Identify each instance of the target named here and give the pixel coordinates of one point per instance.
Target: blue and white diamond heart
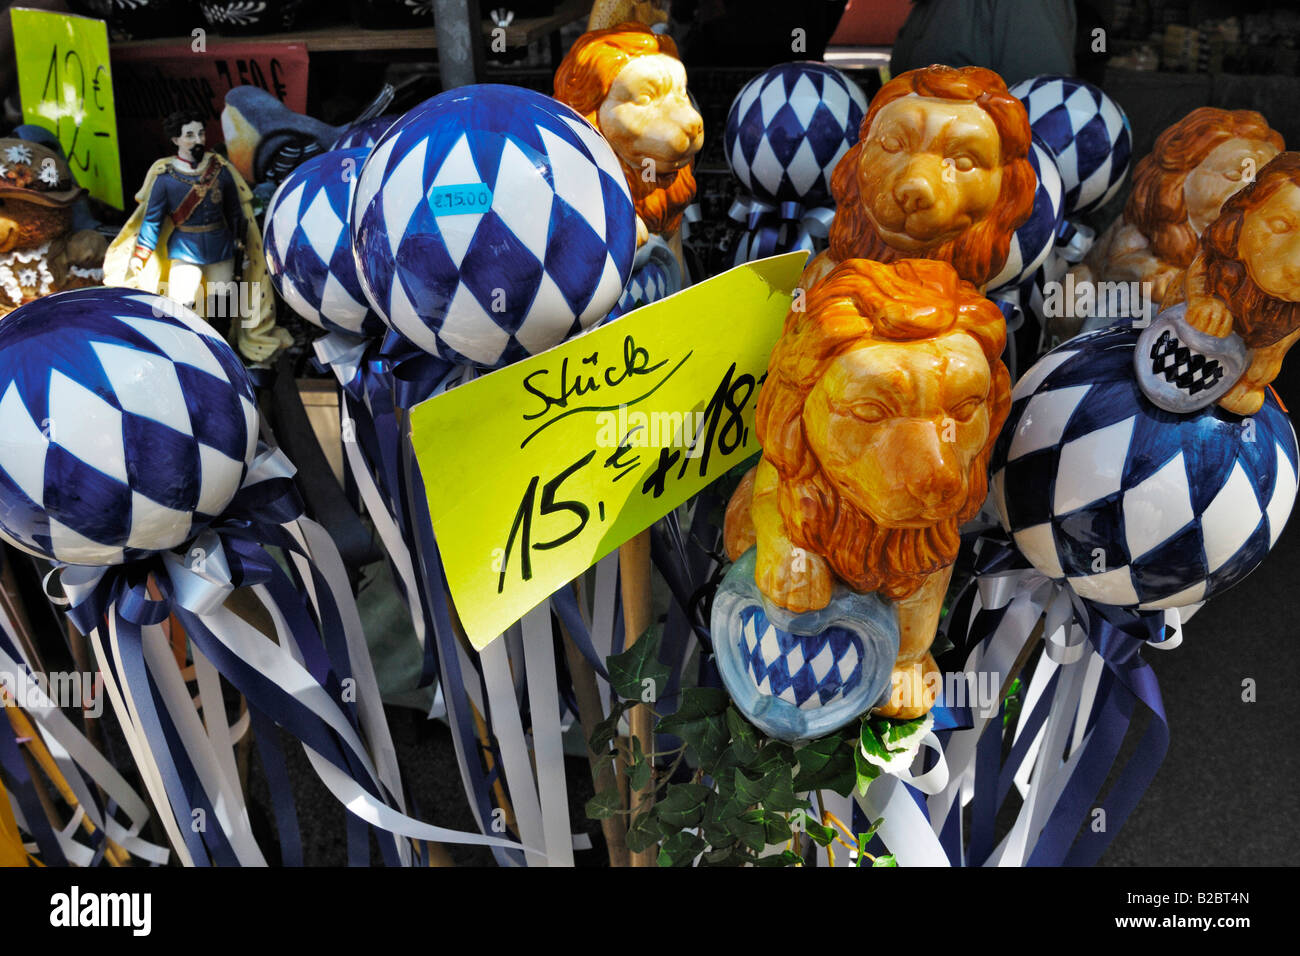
(801, 676)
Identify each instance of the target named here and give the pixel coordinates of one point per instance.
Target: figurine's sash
(196, 194)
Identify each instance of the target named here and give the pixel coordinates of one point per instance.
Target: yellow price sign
(66, 87)
(538, 470)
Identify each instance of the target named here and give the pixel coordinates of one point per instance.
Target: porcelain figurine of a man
(182, 240)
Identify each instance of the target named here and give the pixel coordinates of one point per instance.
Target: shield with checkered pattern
(309, 248)
(1131, 505)
(491, 223)
(1033, 241)
(799, 676)
(1086, 131)
(128, 425)
(788, 127)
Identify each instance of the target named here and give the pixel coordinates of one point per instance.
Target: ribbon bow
(200, 574)
(774, 228)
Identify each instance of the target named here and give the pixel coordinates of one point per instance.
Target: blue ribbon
(776, 228)
(231, 553)
(415, 374)
(1117, 634)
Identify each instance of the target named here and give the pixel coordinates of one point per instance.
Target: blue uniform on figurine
(183, 240)
(199, 195)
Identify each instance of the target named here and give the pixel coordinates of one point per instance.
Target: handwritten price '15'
(726, 435)
(52, 92)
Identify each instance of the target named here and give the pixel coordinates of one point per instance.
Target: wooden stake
(590, 713)
(634, 576)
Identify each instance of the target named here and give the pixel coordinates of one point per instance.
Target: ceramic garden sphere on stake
(128, 426)
(786, 130)
(1088, 133)
(941, 171)
(788, 127)
(1034, 240)
(1131, 505)
(491, 223)
(309, 246)
(877, 418)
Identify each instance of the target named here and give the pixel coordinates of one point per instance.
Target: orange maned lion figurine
(629, 83)
(941, 171)
(881, 405)
(1245, 278)
(1178, 190)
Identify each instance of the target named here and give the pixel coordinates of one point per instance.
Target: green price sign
(67, 87)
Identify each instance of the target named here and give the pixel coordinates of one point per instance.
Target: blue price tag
(464, 200)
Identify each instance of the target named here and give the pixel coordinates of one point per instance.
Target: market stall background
(1222, 795)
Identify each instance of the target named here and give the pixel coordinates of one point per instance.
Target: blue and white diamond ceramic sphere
(1033, 241)
(1088, 133)
(491, 223)
(1134, 506)
(788, 127)
(127, 425)
(364, 135)
(309, 246)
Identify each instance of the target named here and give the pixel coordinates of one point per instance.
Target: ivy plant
(741, 796)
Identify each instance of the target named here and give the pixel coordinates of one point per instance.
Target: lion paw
(914, 687)
(1210, 316)
(799, 581)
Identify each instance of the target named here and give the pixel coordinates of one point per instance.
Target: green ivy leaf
(730, 856)
(700, 723)
(869, 740)
(750, 833)
(776, 829)
(629, 671)
(605, 804)
(885, 861)
(751, 792)
(744, 736)
(775, 754)
(605, 731)
(822, 836)
(638, 774)
(683, 804)
(643, 833)
(893, 732)
(785, 858)
(826, 764)
(864, 770)
(681, 849)
(865, 837)
(780, 794)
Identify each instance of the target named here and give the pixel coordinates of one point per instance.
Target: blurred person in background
(1015, 38)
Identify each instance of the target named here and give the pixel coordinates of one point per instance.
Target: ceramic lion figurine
(609, 13)
(881, 405)
(941, 171)
(629, 83)
(1178, 190)
(1245, 279)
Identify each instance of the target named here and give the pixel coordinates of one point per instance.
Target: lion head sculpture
(879, 412)
(941, 171)
(1252, 254)
(1195, 165)
(629, 83)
